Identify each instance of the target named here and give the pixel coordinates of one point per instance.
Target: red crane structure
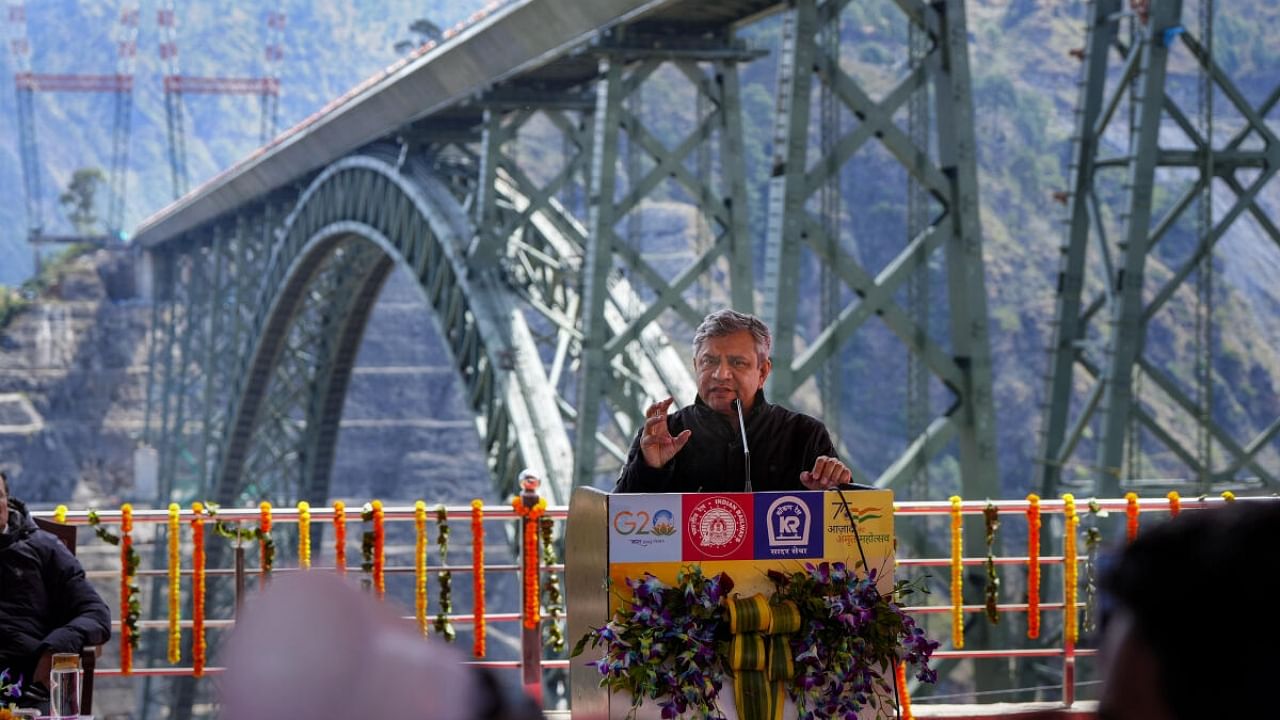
(176, 85)
(27, 83)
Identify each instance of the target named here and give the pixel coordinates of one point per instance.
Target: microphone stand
(746, 453)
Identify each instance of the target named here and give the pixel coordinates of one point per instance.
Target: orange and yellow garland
(127, 571)
(1033, 566)
(304, 535)
(175, 590)
(1175, 503)
(379, 555)
(198, 646)
(957, 575)
(60, 514)
(1069, 569)
(340, 537)
(904, 698)
(264, 550)
(420, 565)
(477, 576)
(1228, 496)
(532, 611)
(1131, 516)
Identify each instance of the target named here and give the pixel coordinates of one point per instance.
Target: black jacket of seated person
(783, 444)
(46, 603)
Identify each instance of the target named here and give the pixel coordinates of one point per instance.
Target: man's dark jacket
(783, 444)
(46, 604)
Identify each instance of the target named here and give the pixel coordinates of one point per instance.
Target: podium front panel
(747, 534)
(613, 537)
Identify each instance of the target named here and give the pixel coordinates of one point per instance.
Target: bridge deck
(527, 44)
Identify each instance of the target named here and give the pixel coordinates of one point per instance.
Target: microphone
(746, 453)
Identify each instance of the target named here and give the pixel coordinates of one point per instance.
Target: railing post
(239, 554)
(531, 558)
(1068, 672)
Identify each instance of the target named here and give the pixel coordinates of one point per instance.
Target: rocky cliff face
(73, 386)
(73, 376)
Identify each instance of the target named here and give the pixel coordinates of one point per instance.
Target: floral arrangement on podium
(10, 691)
(826, 638)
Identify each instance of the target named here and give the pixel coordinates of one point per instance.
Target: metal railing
(532, 662)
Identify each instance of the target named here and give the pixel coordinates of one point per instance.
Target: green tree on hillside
(78, 200)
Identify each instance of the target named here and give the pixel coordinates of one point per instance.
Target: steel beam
(951, 177)
(1124, 307)
(617, 312)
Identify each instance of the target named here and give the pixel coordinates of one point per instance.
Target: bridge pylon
(948, 173)
(631, 298)
(1138, 260)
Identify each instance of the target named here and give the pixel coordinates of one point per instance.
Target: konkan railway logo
(717, 527)
(788, 525)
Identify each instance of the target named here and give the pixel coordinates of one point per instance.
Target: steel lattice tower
(1108, 303)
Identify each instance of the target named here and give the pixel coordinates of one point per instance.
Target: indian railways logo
(717, 527)
(788, 522)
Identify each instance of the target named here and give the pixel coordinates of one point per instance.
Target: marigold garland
(553, 603)
(1228, 496)
(266, 547)
(1131, 515)
(477, 576)
(1069, 569)
(443, 625)
(957, 575)
(531, 611)
(304, 534)
(991, 519)
(198, 646)
(340, 537)
(379, 550)
(1033, 566)
(1175, 503)
(60, 514)
(175, 590)
(130, 607)
(420, 565)
(904, 698)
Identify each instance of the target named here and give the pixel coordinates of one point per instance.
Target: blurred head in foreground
(1190, 630)
(311, 646)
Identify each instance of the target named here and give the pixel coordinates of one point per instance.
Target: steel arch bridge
(264, 277)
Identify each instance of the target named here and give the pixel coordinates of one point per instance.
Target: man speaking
(699, 448)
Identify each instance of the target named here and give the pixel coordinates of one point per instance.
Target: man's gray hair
(727, 322)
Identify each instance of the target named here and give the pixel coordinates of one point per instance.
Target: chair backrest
(65, 533)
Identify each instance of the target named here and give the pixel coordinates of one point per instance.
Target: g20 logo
(640, 522)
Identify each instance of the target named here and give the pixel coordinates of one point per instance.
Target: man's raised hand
(827, 472)
(656, 443)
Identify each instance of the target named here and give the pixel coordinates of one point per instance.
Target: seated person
(46, 603)
(698, 448)
(1186, 629)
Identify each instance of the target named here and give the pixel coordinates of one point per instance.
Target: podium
(609, 538)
